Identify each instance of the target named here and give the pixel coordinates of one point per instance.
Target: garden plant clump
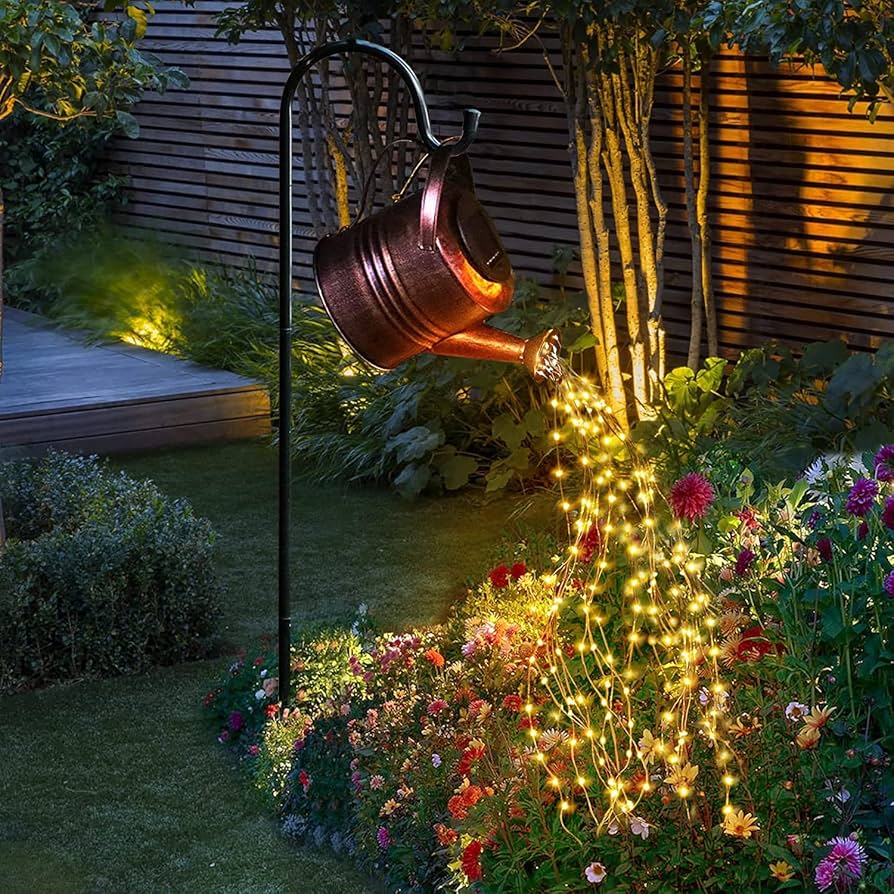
(102, 574)
(689, 691)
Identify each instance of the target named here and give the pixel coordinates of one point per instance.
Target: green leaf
(414, 443)
(456, 470)
(507, 430)
(128, 124)
(412, 480)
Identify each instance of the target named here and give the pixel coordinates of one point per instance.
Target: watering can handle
(440, 164)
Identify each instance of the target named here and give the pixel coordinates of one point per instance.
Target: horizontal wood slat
(802, 190)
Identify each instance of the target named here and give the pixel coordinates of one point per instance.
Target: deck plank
(60, 391)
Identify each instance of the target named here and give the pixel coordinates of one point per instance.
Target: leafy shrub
(102, 574)
(52, 183)
(435, 423)
(778, 409)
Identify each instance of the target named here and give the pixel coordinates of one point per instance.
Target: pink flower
(862, 497)
(595, 873)
(884, 463)
(842, 865)
(691, 497)
(437, 706)
(889, 584)
(383, 838)
(888, 514)
(376, 782)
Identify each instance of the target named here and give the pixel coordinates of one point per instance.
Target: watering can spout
(540, 353)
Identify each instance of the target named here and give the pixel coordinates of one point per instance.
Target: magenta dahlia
(889, 585)
(383, 839)
(888, 513)
(862, 497)
(743, 562)
(884, 463)
(691, 497)
(841, 866)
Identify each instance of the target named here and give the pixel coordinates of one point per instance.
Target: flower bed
(690, 695)
(102, 574)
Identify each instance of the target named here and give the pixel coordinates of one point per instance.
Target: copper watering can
(423, 275)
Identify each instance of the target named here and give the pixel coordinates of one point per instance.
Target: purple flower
(863, 530)
(841, 866)
(743, 562)
(383, 838)
(236, 721)
(889, 584)
(888, 514)
(884, 463)
(862, 497)
(824, 548)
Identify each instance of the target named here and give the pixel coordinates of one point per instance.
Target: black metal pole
(431, 142)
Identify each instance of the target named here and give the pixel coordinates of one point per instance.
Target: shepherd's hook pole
(431, 143)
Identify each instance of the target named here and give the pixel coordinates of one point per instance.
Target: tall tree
(339, 159)
(61, 61)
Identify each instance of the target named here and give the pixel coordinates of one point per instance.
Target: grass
(118, 786)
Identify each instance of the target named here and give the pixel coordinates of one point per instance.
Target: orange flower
(434, 657)
(818, 717)
(446, 835)
(808, 737)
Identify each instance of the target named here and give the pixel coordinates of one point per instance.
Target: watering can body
(423, 275)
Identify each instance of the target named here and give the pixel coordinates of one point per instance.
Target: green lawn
(117, 785)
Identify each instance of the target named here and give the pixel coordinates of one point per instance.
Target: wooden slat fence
(802, 190)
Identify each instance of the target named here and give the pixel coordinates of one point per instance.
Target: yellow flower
(781, 871)
(808, 737)
(739, 824)
(389, 807)
(682, 778)
(818, 717)
(744, 724)
(649, 746)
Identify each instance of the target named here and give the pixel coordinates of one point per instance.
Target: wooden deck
(58, 391)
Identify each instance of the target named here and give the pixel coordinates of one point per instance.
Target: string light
(594, 686)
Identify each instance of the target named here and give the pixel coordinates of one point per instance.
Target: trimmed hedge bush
(102, 574)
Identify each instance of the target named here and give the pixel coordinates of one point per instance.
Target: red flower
(437, 706)
(754, 645)
(468, 757)
(743, 562)
(512, 702)
(691, 497)
(748, 519)
(446, 835)
(499, 576)
(435, 657)
(471, 861)
(589, 544)
(517, 570)
(824, 548)
(210, 698)
(271, 710)
(304, 780)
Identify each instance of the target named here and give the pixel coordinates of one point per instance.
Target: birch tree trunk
(696, 298)
(701, 205)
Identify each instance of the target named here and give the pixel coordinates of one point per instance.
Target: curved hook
(423, 122)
